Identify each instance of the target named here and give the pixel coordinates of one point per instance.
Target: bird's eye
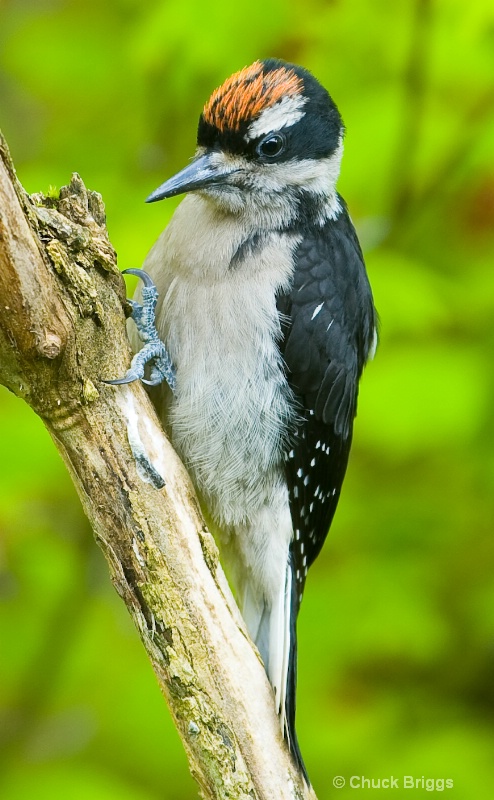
(272, 145)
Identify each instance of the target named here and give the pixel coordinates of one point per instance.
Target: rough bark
(62, 330)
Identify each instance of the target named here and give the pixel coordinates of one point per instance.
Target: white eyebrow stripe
(282, 115)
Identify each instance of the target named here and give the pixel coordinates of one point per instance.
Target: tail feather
(273, 629)
(291, 687)
(278, 655)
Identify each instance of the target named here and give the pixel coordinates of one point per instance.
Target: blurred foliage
(396, 631)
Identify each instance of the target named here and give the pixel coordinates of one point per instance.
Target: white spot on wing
(317, 310)
(373, 347)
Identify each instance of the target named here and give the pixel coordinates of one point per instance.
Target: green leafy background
(396, 630)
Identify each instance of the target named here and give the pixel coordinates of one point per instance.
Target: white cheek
(317, 175)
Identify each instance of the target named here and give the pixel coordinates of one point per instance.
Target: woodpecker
(267, 316)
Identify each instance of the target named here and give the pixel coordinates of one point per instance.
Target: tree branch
(62, 329)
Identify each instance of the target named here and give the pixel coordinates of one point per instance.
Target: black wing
(328, 323)
(328, 327)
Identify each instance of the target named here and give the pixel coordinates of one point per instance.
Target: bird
(266, 312)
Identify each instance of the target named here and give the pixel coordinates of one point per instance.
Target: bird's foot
(154, 351)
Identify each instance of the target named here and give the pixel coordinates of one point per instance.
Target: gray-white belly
(217, 315)
(233, 406)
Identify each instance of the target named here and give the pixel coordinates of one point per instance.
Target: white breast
(221, 326)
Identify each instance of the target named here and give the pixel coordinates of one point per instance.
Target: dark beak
(197, 175)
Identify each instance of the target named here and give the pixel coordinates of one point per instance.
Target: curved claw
(154, 351)
(120, 381)
(129, 377)
(145, 278)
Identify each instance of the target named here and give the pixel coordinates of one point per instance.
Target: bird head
(270, 133)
